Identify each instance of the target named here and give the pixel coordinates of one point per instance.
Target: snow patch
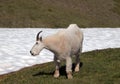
(15, 45)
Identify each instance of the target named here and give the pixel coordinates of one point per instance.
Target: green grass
(97, 67)
(59, 13)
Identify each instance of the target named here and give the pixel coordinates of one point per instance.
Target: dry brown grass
(59, 13)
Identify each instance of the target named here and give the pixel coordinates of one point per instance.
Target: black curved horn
(37, 37)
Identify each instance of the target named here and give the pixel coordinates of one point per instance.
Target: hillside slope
(59, 13)
(97, 67)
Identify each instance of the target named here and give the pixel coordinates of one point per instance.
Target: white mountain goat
(64, 44)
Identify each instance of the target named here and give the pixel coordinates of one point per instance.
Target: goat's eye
(36, 42)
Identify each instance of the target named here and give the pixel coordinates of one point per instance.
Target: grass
(117, 7)
(97, 67)
(59, 13)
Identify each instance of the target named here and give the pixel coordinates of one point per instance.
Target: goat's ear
(41, 38)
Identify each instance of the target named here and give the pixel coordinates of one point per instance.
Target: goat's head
(38, 46)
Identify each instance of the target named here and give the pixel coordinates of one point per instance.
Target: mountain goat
(64, 44)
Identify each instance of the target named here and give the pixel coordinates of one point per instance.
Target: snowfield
(15, 45)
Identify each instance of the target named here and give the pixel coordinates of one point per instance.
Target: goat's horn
(37, 37)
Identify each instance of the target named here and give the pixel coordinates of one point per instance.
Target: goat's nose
(31, 53)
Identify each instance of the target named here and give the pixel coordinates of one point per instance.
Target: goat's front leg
(57, 63)
(69, 67)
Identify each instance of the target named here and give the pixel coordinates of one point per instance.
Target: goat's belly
(75, 50)
(62, 57)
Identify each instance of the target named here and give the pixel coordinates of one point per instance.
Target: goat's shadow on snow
(62, 71)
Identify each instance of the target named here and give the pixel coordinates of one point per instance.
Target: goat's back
(72, 37)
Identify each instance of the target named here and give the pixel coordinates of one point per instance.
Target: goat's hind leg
(77, 68)
(69, 67)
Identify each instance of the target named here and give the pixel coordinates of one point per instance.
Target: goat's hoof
(77, 69)
(69, 75)
(56, 74)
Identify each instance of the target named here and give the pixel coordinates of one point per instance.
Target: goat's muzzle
(32, 53)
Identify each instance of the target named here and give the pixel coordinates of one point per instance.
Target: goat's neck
(50, 43)
(47, 42)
